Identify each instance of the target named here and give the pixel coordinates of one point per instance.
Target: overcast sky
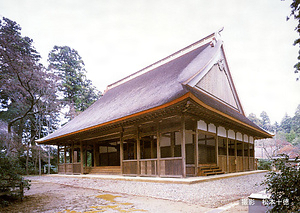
(116, 38)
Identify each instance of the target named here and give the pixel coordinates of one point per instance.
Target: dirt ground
(52, 197)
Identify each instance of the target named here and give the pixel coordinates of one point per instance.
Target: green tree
(252, 117)
(295, 6)
(265, 121)
(286, 123)
(295, 124)
(26, 88)
(77, 91)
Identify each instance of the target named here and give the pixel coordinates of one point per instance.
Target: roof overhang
(196, 108)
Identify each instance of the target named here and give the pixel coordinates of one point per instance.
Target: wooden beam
(183, 146)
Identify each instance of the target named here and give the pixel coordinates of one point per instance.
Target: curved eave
(41, 141)
(260, 133)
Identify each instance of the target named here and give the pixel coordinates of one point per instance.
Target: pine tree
(76, 90)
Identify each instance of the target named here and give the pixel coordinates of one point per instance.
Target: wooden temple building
(178, 117)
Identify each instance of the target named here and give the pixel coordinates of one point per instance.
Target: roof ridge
(177, 54)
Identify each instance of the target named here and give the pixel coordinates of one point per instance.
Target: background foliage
(33, 97)
(284, 184)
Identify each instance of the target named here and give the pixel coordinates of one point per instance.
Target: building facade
(178, 117)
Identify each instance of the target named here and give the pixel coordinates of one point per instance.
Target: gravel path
(209, 194)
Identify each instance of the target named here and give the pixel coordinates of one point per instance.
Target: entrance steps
(105, 170)
(209, 169)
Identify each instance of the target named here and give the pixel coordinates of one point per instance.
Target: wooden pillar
(243, 152)
(158, 148)
(248, 152)
(85, 159)
(135, 150)
(81, 157)
(94, 154)
(58, 150)
(183, 146)
(138, 151)
(217, 147)
(72, 156)
(65, 159)
(235, 153)
(196, 148)
(121, 149)
(152, 148)
(172, 144)
(227, 152)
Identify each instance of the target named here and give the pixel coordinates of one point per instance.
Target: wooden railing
(129, 167)
(241, 165)
(222, 162)
(148, 167)
(171, 167)
(69, 168)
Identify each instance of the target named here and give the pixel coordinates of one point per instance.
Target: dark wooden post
(85, 157)
(138, 151)
(183, 145)
(121, 149)
(235, 152)
(172, 144)
(72, 156)
(65, 158)
(196, 148)
(243, 152)
(152, 148)
(94, 154)
(58, 150)
(81, 157)
(158, 148)
(227, 152)
(248, 152)
(217, 147)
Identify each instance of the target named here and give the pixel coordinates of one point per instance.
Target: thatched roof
(156, 85)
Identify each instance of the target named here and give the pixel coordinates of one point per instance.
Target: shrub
(284, 186)
(264, 164)
(10, 173)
